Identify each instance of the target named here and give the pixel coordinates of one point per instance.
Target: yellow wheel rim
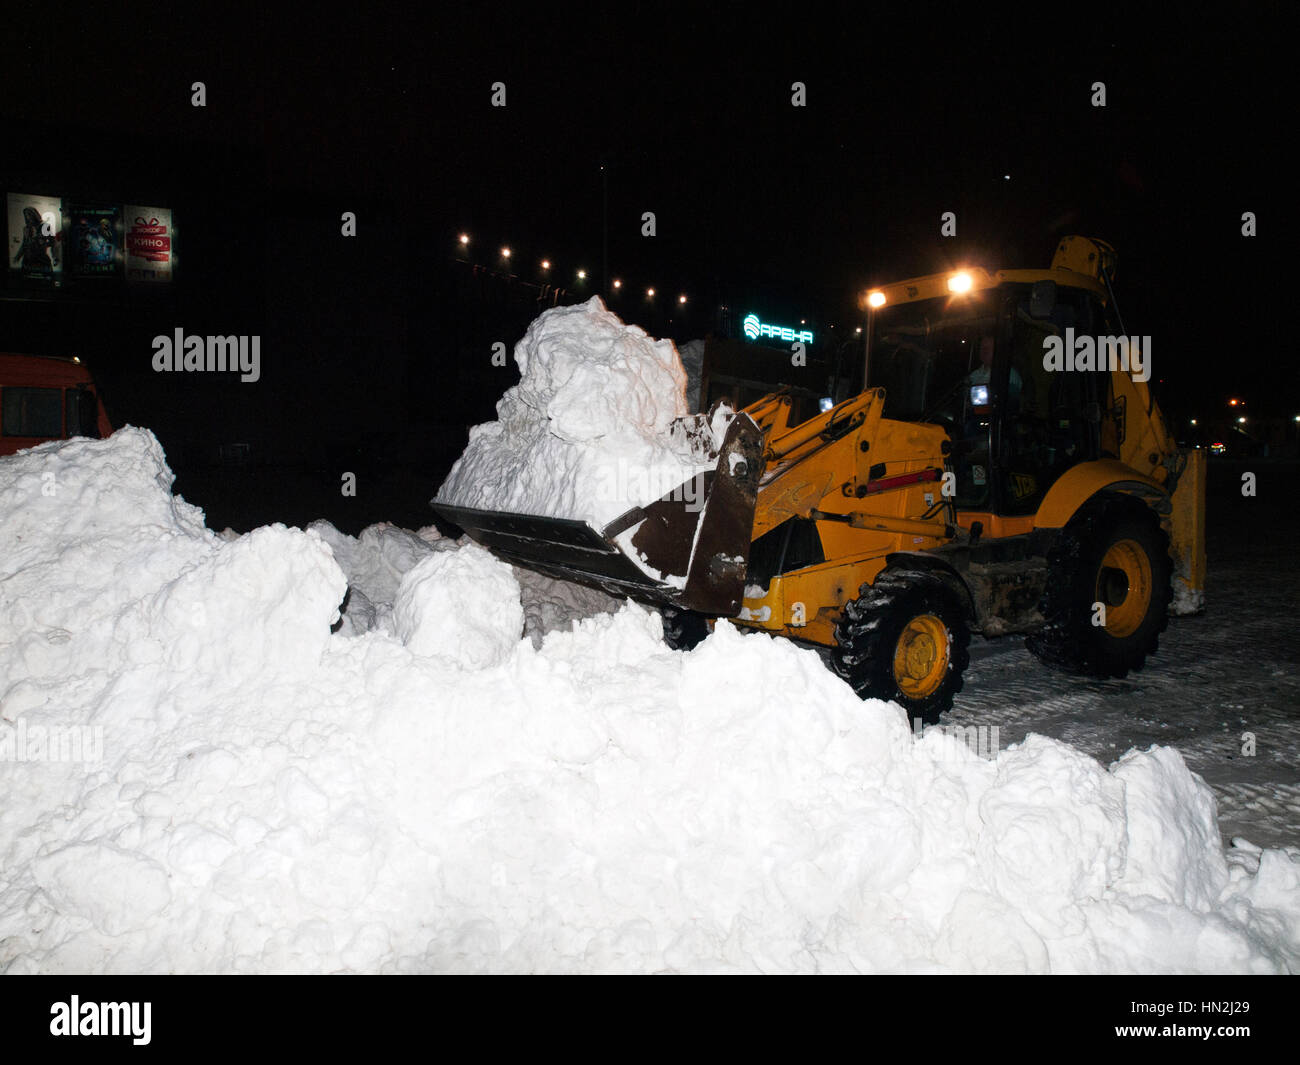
(1124, 585)
(921, 657)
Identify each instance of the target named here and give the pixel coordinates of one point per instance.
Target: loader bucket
(693, 543)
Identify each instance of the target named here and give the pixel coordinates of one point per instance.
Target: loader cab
(974, 364)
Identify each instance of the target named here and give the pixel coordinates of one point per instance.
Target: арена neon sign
(754, 329)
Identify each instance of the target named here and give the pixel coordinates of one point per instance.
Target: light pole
(604, 228)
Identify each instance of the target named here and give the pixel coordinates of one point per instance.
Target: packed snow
(376, 561)
(598, 423)
(428, 790)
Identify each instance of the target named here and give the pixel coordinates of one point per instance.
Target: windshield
(923, 353)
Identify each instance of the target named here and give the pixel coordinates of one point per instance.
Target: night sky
(389, 115)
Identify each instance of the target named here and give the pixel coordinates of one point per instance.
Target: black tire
(870, 639)
(1128, 533)
(683, 629)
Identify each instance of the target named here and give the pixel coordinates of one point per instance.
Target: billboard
(150, 243)
(94, 240)
(35, 237)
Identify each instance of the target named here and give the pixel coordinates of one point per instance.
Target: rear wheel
(905, 639)
(1108, 588)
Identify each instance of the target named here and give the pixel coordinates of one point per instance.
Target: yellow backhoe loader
(1003, 470)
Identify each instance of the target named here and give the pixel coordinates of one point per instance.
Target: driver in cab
(981, 374)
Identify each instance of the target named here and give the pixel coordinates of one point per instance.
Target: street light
(505, 253)
(464, 239)
(681, 298)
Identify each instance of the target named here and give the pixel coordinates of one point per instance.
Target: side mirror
(1042, 299)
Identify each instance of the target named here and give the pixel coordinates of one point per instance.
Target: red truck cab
(46, 397)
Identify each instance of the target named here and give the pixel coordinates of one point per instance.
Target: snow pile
(442, 795)
(594, 426)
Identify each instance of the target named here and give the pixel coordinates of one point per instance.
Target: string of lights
(578, 282)
(548, 274)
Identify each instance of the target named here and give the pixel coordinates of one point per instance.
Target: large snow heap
(588, 430)
(427, 791)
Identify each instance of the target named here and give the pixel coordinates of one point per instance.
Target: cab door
(1046, 420)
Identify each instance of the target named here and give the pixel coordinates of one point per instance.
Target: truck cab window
(34, 412)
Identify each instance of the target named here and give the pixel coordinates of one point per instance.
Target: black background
(340, 1014)
(376, 349)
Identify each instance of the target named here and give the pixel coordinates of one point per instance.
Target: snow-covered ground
(428, 789)
(1220, 679)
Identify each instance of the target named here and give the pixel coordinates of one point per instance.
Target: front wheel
(906, 639)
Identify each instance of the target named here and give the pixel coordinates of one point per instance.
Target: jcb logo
(1023, 485)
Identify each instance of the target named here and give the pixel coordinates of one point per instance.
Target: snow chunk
(586, 433)
(1185, 601)
(463, 605)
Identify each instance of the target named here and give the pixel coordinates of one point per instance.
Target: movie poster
(94, 240)
(36, 237)
(150, 240)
